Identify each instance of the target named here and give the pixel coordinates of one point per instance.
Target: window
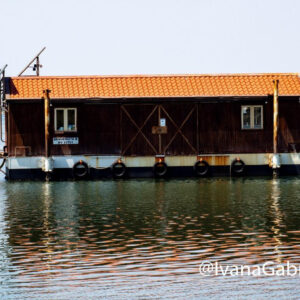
(252, 117)
(65, 119)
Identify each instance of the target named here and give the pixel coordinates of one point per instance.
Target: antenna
(36, 67)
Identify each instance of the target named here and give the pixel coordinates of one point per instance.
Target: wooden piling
(275, 128)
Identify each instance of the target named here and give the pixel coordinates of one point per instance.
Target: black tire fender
(80, 170)
(237, 167)
(118, 170)
(160, 169)
(201, 168)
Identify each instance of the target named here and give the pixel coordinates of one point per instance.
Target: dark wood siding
(127, 129)
(289, 122)
(26, 129)
(181, 120)
(220, 129)
(136, 129)
(98, 130)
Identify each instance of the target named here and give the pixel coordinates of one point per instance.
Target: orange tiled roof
(139, 86)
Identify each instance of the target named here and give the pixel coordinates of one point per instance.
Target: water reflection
(144, 237)
(277, 218)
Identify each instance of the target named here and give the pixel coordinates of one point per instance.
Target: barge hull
(31, 168)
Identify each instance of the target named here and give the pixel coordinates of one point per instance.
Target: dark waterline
(142, 239)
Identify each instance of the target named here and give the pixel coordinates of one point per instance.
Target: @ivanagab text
(269, 268)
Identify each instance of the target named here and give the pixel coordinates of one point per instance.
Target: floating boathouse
(151, 126)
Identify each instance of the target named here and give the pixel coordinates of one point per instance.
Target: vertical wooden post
(121, 129)
(159, 135)
(275, 118)
(47, 163)
(197, 131)
(275, 128)
(47, 120)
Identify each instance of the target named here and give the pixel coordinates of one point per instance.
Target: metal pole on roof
(2, 86)
(2, 100)
(36, 67)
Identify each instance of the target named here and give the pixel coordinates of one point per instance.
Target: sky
(116, 37)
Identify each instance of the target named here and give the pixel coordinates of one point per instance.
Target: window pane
(246, 117)
(257, 117)
(71, 119)
(59, 120)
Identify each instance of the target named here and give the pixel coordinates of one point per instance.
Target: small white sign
(162, 122)
(65, 141)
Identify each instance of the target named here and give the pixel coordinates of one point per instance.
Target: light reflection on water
(146, 238)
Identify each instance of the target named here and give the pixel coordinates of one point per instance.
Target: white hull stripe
(65, 162)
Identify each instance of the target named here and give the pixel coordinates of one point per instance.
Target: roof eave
(151, 97)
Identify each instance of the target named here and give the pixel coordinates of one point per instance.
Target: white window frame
(252, 107)
(65, 110)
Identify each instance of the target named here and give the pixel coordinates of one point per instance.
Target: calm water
(142, 239)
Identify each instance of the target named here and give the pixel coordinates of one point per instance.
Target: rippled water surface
(143, 239)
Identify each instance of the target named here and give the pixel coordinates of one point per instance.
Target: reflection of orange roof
(139, 86)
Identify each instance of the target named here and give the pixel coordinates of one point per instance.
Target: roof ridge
(157, 75)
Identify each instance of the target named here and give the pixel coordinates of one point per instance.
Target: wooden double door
(159, 129)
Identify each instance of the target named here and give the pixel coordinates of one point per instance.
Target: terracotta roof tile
(139, 86)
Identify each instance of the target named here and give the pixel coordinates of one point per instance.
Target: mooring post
(275, 159)
(47, 165)
(159, 135)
